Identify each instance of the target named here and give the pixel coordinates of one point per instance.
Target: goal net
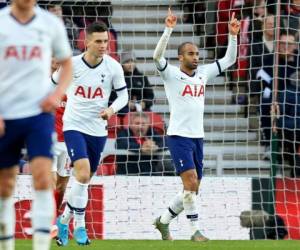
(251, 160)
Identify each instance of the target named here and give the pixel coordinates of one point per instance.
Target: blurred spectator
(71, 27)
(292, 12)
(101, 12)
(289, 99)
(3, 3)
(194, 13)
(140, 91)
(141, 139)
(262, 63)
(286, 67)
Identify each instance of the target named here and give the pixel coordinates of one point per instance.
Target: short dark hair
(96, 27)
(181, 47)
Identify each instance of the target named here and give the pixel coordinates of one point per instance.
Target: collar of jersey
(18, 21)
(90, 66)
(188, 74)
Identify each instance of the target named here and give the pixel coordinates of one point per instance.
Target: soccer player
(29, 37)
(185, 90)
(61, 162)
(95, 74)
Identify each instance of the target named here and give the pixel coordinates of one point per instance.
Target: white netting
(238, 142)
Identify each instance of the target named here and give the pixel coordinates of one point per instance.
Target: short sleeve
(60, 45)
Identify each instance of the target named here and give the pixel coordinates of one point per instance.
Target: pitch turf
(174, 245)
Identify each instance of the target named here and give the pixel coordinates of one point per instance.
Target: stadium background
(242, 172)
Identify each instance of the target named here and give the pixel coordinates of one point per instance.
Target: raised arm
(231, 53)
(216, 68)
(161, 46)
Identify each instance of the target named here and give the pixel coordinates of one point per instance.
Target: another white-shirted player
(185, 90)
(29, 36)
(94, 76)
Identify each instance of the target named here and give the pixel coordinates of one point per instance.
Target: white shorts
(61, 160)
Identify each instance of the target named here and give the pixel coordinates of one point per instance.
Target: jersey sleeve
(210, 70)
(55, 77)
(118, 78)
(214, 69)
(60, 45)
(163, 68)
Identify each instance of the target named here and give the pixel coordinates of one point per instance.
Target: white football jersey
(186, 96)
(89, 93)
(25, 57)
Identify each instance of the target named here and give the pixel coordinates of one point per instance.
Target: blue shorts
(82, 146)
(33, 132)
(186, 153)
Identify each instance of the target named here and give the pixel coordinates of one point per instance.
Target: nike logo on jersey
(182, 78)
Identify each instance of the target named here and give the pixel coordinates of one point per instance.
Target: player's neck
(22, 16)
(91, 59)
(189, 72)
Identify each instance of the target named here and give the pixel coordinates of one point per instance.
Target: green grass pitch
(173, 245)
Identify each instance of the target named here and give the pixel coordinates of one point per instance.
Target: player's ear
(87, 40)
(180, 58)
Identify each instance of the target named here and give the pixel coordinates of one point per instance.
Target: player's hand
(171, 19)
(107, 113)
(51, 102)
(2, 127)
(234, 25)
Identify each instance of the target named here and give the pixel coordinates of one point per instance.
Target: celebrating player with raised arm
(185, 90)
(29, 37)
(94, 76)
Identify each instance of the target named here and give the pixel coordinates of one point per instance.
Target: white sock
(7, 224)
(42, 217)
(174, 209)
(78, 201)
(190, 208)
(67, 214)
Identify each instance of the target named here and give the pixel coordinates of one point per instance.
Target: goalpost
(244, 169)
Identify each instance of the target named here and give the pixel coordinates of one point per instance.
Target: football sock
(190, 208)
(7, 224)
(78, 202)
(174, 209)
(42, 216)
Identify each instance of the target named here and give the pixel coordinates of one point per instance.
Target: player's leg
(181, 154)
(78, 196)
(39, 144)
(62, 174)
(191, 182)
(7, 209)
(61, 186)
(95, 146)
(10, 153)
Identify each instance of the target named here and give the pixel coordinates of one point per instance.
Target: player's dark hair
(96, 27)
(181, 47)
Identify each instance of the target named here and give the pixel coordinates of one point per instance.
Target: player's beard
(192, 66)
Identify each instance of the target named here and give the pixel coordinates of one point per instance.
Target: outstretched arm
(161, 46)
(231, 53)
(216, 68)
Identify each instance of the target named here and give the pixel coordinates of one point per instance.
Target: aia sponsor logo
(89, 92)
(23, 53)
(193, 90)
